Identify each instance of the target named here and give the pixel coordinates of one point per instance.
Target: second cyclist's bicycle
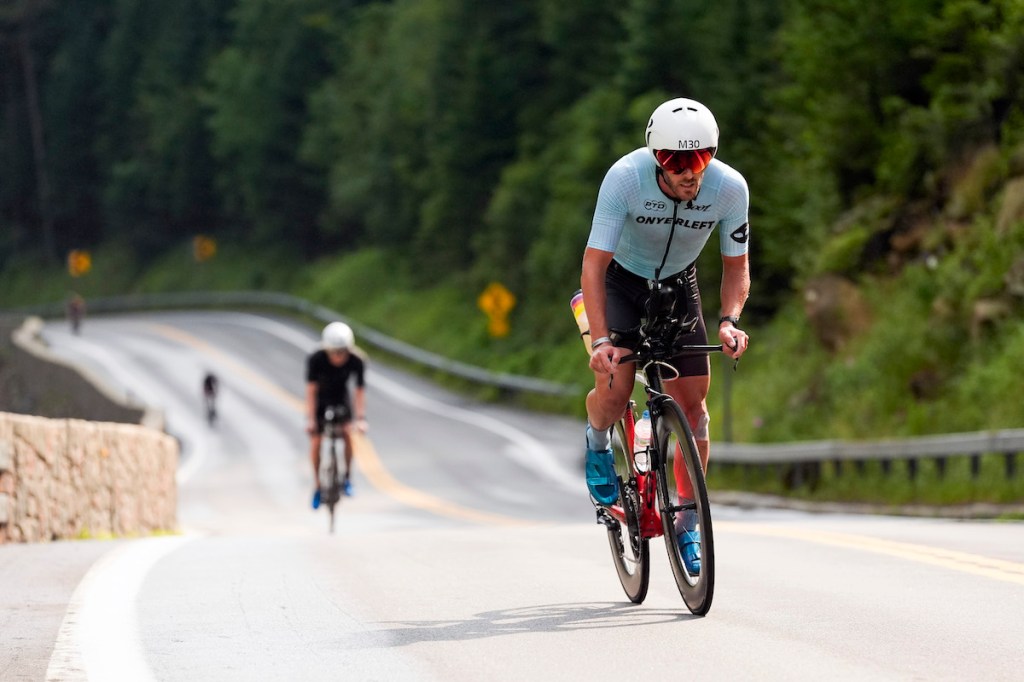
(332, 483)
(649, 504)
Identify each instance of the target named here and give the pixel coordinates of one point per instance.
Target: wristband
(599, 342)
(729, 318)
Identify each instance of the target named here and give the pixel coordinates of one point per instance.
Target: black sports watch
(729, 318)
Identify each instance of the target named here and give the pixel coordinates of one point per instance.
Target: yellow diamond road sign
(496, 301)
(79, 262)
(203, 248)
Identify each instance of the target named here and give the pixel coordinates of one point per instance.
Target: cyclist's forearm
(595, 300)
(735, 285)
(360, 403)
(595, 267)
(311, 391)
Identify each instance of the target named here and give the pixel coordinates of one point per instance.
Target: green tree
(973, 87)
(421, 117)
(19, 21)
(367, 121)
(487, 53)
(154, 145)
(73, 109)
(258, 97)
(823, 141)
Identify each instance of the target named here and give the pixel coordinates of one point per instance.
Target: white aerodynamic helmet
(338, 336)
(682, 125)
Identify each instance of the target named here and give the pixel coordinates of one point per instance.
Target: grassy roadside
(878, 483)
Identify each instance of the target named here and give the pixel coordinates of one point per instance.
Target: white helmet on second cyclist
(682, 124)
(338, 336)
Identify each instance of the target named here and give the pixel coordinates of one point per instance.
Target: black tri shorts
(342, 415)
(627, 295)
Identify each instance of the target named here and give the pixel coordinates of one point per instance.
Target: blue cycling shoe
(601, 479)
(689, 545)
(346, 487)
(316, 499)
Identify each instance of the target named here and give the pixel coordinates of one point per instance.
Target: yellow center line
(997, 569)
(373, 468)
(364, 454)
(225, 359)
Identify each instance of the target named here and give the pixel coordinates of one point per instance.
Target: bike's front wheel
(675, 439)
(332, 493)
(630, 550)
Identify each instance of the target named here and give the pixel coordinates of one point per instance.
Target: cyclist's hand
(734, 340)
(606, 357)
(311, 428)
(362, 425)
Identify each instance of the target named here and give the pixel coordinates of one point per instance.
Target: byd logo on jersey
(657, 205)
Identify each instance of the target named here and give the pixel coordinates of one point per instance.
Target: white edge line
(98, 638)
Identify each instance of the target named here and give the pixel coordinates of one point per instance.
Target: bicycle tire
(697, 590)
(630, 550)
(334, 487)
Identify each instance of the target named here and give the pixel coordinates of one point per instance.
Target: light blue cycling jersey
(633, 216)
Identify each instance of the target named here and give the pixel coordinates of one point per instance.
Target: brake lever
(627, 358)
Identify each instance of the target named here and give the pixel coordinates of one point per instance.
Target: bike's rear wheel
(675, 438)
(630, 551)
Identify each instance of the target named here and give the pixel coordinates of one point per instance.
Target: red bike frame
(646, 484)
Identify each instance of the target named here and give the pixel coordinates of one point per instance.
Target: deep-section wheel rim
(630, 551)
(697, 590)
(333, 488)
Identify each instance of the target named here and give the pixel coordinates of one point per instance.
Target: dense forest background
(404, 150)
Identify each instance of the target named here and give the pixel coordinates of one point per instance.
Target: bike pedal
(607, 521)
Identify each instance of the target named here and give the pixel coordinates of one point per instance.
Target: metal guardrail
(1006, 441)
(504, 381)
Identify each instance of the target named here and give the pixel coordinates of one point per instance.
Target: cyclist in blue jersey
(656, 210)
(328, 373)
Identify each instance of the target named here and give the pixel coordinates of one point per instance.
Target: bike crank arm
(689, 506)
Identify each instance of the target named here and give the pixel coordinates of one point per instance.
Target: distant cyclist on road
(328, 373)
(76, 312)
(656, 209)
(210, 386)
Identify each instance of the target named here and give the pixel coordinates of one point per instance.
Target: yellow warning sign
(203, 248)
(497, 302)
(79, 262)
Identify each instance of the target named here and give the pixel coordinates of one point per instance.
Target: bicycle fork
(660, 460)
(657, 403)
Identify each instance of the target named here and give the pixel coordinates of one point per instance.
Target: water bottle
(580, 313)
(642, 439)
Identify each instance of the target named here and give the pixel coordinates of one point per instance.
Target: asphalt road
(468, 552)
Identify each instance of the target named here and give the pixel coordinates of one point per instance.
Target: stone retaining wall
(72, 471)
(69, 478)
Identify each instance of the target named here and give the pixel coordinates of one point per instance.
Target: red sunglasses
(677, 160)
